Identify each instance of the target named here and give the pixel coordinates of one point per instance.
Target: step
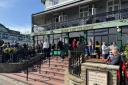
(48, 81)
(23, 79)
(55, 65)
(55, 61)
(55, 73)
(54, 68)
(59, 78)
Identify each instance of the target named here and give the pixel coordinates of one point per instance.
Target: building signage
(97, 77)
(76, 29)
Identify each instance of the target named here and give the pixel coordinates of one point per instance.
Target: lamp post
(118, 29)
(119, 37)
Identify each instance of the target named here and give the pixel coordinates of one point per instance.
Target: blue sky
(16, 14)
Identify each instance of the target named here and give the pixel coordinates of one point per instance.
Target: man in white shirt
(105, 50)
(45, 44)
(46, 49)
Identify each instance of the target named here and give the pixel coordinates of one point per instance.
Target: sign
(97, 77)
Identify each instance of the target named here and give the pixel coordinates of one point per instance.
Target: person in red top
(74, 44)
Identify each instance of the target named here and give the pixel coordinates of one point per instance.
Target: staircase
(53, 75)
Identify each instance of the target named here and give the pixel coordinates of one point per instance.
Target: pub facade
(98, 20)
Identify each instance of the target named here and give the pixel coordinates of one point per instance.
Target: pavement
(7, 81)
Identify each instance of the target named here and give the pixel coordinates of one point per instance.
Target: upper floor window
(61, 18)
(113, 5)
(83, 11)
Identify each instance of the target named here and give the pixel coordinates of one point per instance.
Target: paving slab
(7, 81)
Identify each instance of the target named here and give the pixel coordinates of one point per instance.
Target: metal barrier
(43, 58)
(75, 60)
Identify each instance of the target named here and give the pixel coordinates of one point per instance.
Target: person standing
(97, 48)
(61, 48)
(74, 44)
(45, 48)
(90, 46)
(104, 51)
(113, 45)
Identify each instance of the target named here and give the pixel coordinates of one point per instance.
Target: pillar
(85, 37)
(67, 36)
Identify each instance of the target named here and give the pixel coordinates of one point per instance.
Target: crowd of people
(16, 52)
(110, 52)
(23, 51)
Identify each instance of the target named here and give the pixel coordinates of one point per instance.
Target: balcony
(103, 17)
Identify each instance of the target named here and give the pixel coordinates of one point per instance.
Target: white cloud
(22, 29)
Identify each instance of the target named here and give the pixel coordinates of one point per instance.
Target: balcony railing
(102, 17)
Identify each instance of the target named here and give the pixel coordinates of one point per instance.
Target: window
(112, 38)
(56, 19)
(61, 18)
(83, 11)
(113, 5)
(101, 32)
(112, 31)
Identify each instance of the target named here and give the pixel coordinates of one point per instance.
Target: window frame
(83, 12)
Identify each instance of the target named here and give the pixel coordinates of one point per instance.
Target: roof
(3, 28)
(7, 30)
(1, 25)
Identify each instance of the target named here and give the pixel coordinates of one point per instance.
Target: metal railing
(75, 61)
(42, 59)
(101, 17)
